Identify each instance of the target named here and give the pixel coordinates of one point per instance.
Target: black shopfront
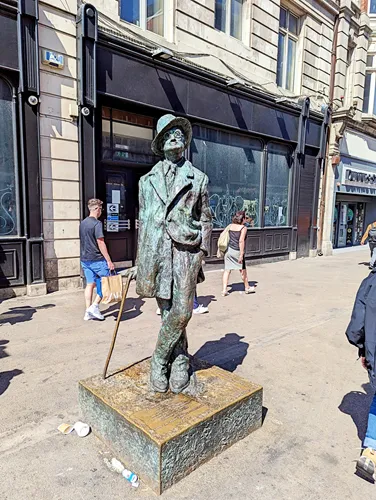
(260, 155)
(21, 235)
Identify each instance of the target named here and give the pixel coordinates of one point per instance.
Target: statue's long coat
(179, 216)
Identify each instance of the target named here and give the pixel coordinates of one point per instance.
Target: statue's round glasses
(178, 134)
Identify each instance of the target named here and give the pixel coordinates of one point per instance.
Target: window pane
(155, 17)
(236, 18)
(367, 87)
(220, 15)
(280, 62)
(369, 61)
(132, 143)
(374, 99)
(291, 51)
(293, 24)
(277, 185)
(233, 165)
(283, 18)
(8, 195)
(131, 138)
(130, 11)
(372, 7)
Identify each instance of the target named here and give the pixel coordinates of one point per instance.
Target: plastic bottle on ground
(131, 477)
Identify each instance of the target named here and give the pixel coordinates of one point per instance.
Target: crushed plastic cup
(82, 429)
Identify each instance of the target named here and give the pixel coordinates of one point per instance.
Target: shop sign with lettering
(359, 178)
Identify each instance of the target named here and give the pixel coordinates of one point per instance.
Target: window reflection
(233, 164)
(277, 185)
(8, 196)
(127, 137)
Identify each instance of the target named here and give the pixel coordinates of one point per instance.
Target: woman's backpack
(223, 242)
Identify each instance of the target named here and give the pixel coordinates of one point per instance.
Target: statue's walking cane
(126, 287)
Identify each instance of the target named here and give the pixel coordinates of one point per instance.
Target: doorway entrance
(348, 224)
(121, 212)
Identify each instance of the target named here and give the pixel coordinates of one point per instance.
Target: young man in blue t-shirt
(95, 260)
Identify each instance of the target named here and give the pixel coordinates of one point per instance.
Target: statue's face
(174, 141)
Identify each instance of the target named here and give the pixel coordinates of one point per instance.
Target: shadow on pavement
(132, 309)
(6, 378)
(363, 263)
(228, 352)
(357, 404)
(3, 346)
(205, 300)
(239, 287)
(21, 314)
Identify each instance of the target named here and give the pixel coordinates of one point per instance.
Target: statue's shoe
(179, 376)
(158, 376)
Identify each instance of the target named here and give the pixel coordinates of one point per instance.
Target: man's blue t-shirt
(90, 230)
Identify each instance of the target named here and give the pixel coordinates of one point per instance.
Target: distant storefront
(260, 155)
(355, 204)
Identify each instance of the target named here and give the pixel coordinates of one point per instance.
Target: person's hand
(362, 242)
(111, 265)
(130, 273)
(364, 362)
(240, 260)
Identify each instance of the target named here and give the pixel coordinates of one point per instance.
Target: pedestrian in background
(235, 254)
(370, 234)
(361, 332)
(197, 307)
(95, 260)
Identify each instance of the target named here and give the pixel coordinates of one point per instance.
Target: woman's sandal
(250, 289)
(224, 294)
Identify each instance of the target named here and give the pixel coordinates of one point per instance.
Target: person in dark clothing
(361, 332)
(370, 234)
(95, 260)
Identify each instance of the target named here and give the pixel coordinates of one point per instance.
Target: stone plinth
(164, 437)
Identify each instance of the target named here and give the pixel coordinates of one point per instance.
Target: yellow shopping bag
(112, 288)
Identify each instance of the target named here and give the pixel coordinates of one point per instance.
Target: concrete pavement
(289, 337)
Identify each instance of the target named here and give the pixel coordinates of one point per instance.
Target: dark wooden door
(306, 204)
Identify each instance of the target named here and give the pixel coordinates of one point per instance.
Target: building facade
(21, 230)
(350, 203)
(255, 79)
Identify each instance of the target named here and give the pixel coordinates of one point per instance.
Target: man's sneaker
(201, 310)
(158, 311)
(250, 289)
(95, 312)
(88, 316)
(366, 465)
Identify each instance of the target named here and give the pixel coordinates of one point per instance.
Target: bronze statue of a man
(174, 236)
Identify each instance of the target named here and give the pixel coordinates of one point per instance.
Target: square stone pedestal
(164, 437)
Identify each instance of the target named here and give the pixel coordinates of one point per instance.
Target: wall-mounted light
(162, 53)
(33, 100)
(85, 111)
(235, 82)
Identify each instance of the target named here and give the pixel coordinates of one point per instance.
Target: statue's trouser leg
(176, 313)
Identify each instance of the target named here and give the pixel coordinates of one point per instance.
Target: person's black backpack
(372, 234)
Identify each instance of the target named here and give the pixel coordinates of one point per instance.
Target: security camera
(33, 100)
(85, 111)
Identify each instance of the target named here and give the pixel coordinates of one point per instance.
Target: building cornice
(8, 7)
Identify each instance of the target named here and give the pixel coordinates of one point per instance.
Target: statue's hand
(130, 273)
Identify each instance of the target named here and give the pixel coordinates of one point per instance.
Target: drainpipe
(325, 160)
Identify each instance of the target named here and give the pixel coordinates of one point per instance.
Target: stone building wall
(59, 145)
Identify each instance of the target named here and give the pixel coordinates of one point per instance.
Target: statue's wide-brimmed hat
(165, 123)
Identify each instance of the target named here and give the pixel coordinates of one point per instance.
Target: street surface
(288, 337)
